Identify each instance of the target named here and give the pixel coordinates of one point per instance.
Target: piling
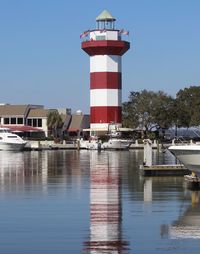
(147, 152)
(78, 144)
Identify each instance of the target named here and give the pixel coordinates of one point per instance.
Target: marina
(106, 174)
(51, 145)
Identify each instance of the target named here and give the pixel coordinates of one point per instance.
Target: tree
(163, 110)
(54, 123)
(188, 106)
(146, 110)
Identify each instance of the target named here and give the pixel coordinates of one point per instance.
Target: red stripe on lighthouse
(105, 114)
(105, 47)
(103, 80)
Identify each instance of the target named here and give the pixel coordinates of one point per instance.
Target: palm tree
(54, 123)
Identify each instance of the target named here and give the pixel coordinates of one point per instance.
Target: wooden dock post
(147, 152)
(78, 144)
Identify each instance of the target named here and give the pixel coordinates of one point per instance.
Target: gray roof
(13, 110)
(79, 122)
(38, 113)
(76, 122)
(66, 122)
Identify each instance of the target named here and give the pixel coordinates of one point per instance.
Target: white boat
(189, 155)
(116, 144)
(10, 141)
(115, 141)
(92, 144)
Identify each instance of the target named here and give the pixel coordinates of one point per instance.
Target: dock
(163, 170)
(136, 145)
(147, 169)
(49, 145)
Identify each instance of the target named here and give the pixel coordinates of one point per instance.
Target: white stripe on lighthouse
(105, 97)
(105, 63)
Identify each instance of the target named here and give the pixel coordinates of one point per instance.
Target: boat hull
(111, 144)
(90, 145)
(116, 144)
(11, 146)
(188, 155)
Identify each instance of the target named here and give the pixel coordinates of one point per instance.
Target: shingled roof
(13, 110)
(38, 113)
(78, 122)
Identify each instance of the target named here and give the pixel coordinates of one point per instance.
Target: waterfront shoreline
(72, 145)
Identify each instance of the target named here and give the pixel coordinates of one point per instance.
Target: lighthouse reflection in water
(105, 205)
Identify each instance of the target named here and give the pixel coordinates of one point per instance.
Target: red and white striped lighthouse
(105, 48)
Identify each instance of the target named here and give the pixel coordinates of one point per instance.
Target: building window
(34, 122)
(29, 122)
(39, 122)
(6, 120)
(20, 120)
(13, 120)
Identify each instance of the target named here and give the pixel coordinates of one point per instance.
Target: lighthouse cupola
(105, 21)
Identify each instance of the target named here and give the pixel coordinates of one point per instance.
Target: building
(31, 120)
(15, 114)
(105, 47)
(37, 117)
(77, 124)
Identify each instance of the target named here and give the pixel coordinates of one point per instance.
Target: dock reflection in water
(105, 205)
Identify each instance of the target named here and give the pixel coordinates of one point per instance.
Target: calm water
(90, 202)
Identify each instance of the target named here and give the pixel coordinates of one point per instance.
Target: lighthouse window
(100, 37)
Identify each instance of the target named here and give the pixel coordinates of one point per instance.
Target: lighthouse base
(105, 127)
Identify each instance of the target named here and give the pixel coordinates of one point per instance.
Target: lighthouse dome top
(105, 16)
(105, 21)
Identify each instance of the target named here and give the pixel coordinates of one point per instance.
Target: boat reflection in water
(105, 205)
(17, 168)
(188, 224)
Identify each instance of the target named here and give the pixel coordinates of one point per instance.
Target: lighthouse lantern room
(105, 47)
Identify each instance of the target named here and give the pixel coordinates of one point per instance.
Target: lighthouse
(105, 47)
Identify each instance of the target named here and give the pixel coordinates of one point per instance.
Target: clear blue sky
(41, 61)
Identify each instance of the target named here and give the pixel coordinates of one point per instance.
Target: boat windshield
(5, 131)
